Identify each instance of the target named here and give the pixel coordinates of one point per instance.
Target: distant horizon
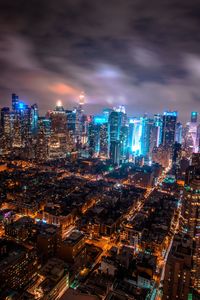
(89, 111)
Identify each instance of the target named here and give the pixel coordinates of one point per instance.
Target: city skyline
(96, 112)
(99, 150)
(144, 56)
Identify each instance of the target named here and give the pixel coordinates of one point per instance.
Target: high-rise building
(161, 155)
(123, 143)
(194, 116)
(191, 215)
(135, 136)
(6, 121)
(94, 139)
(176, 153)
(18, 265)
(158, 122)
(15, 102)
(169, 128)
(58, 119)
(98, 136)
(147, 125)
(58, 139)
(6, 130)
(80, 120)
(21, 126)
(71, 121)
(196, 160)
(191, 134)
(118, 132)
(115, 152)
(178, 133)
(34, 119)
(178, 269)
(198, 138)
(43, 137)
(115, 126)
(104, 140)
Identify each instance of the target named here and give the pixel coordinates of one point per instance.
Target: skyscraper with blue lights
(169, 128)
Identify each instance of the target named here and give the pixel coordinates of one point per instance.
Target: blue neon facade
(135, 139)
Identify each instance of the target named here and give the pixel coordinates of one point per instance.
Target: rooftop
(74, 238)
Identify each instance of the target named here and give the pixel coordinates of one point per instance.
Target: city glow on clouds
(145, 53)
(108, 72)
(63, 89)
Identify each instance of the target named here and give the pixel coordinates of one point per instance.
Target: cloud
(192, 63)
(63, 89)
(141, 54)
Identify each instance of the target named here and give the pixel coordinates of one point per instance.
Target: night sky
(140, 53)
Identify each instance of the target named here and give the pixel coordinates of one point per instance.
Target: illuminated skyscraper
(118, 132)
(15, 102)
(178, 133)
(34, 119)
(176, 283)
(98, 136)
(198, 138)
(93, 139)
(43, 136)
(6, 121)
(135, 135)
(194, 116)
(191, 139)
(115, 126)
(115, 152)
(6, 130)
(123, 143)
(176, 152)
(58, 119)
(104, 140)
(169, 128)
(58, 139)
(147, 125)
(191, 214)
(21, 125)
(155, 133)
(158, 123)
(79, 119)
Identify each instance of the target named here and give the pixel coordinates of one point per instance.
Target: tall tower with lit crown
(79, 118)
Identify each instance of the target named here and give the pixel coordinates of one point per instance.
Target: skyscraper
(115, 125)
(94, 139)
(158, 123)
(58, 119)
(43, 136)
(135, 135)
(6, 130)
(58, 139)
(191, 215)
(34, 119)
(178, 133)
(79, 119)
(115, 152)
(147, 125)
(104, 140)
(21, 125)
(194, 116)
(15, 102)
(98, 136)
(177, 272)
(123, 143)
(118, 132)
(191, 135)
(169, 128)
